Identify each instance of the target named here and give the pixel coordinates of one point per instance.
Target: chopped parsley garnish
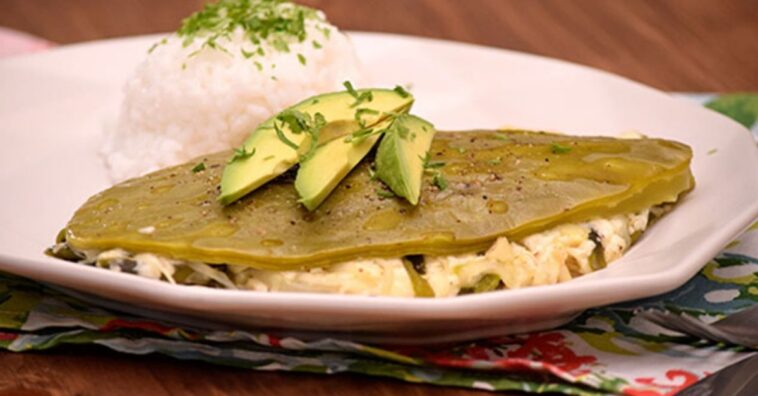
(241, 154)
(371, 173)
(283, 138)
(429, 164)
(364, 131)
(302, 59)
(495, 161)
(277, 23)
(258, 65)
(360, 112)
(460, 149)
(280, 45)
(315, 132)
(557, 148)
(382, 193)
(199, 167)
(501, 136)
(209, 43)
(362, 123)
(350, 89)
(401, 91)
(299, 122)
(359, 134)
(435, 165)
(246, 54)
(316, 44)
(439, 180)
(712, 151)
(366, 96)
(154, 46)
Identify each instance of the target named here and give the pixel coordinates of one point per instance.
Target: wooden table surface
(681, 45)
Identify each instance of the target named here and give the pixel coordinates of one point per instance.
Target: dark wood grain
(89, 370)
(694, 45)
(684, 45)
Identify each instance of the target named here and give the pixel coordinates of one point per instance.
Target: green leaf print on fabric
(741, 107)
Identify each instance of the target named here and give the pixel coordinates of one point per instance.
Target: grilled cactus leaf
(499, 183)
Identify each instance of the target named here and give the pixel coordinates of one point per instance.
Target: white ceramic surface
(52, 108)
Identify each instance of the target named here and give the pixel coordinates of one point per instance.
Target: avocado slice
(401, 156)
(319, 175)
(265, 155)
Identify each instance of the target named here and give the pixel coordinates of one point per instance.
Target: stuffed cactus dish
(349, 193)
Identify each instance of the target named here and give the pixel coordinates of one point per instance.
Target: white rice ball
(183, 102)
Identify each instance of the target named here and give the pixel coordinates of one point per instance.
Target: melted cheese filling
(556, 255)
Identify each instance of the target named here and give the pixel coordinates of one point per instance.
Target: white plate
(51, 112)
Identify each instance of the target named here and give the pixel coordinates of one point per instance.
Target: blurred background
(681, 45)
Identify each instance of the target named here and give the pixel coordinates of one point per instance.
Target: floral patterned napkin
(605, 350)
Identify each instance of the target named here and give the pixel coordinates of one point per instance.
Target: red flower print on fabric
(551, 348)
(683, 379)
